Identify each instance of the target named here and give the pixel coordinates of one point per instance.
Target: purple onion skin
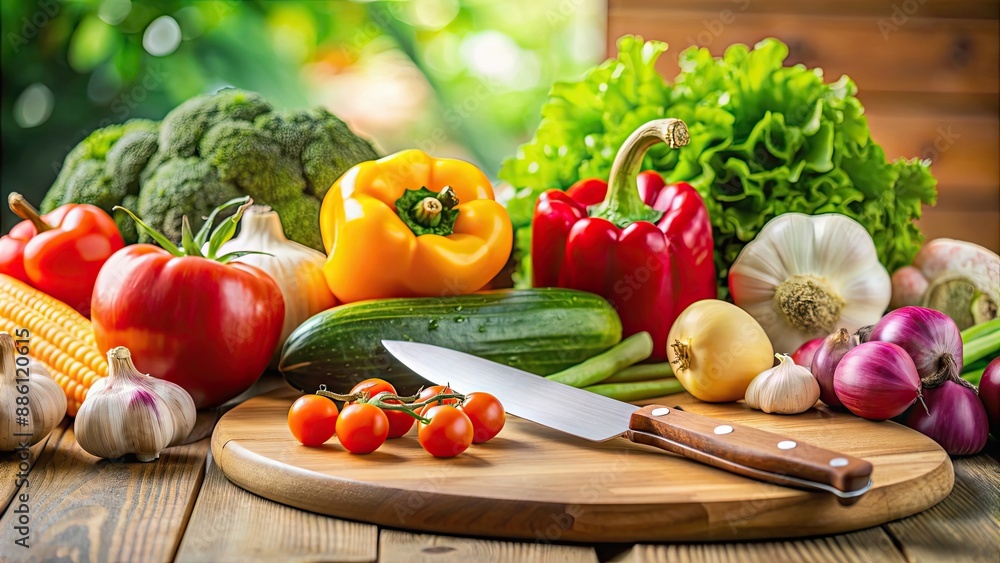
(957, 419)
(930, 337)
(989, 394)
(804, 355)
(876, 380)
(824, 364)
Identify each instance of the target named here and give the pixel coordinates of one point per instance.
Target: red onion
(930, 337)
(989, 394)
(954, 418)
(804, 355)
(825, 362)
(876, 380)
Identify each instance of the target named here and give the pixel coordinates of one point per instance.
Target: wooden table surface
(81, 508)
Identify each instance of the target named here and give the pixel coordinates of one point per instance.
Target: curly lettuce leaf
(766, 139)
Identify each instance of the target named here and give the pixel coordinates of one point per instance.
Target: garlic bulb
(131, 413)
(31, 402)
(805, 276)
(297, 269)
(783, 389)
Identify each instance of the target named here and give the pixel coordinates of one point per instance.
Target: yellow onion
(717, 349)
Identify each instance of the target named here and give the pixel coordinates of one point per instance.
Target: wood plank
(962, 150)
(402, 547)
(980, 227)
(12, 472)
(921, 55)
(979, 9)
(87, 509)
(866, 546)
(965, 525)
(230, 524)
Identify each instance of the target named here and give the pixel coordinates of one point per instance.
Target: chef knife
(743, 450)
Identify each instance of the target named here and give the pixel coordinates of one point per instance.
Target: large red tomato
(207, 326)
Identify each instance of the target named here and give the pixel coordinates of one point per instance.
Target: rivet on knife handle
(750, 452)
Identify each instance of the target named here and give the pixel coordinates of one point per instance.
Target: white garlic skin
(132, 413)
(784, 389)
(831, 248)
(46, 400)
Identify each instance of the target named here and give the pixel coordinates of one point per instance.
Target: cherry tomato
(312, 419)
(399, 422)
(362, 428)
(487, 416)
(429, 392)
(448, 433)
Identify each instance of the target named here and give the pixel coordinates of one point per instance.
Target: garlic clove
(129, 412)
(784, 389)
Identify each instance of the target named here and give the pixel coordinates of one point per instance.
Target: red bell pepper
(59, 253)
(197, 320)
(647, 251)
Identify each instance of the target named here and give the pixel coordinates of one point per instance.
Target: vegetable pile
(792, 211)
(207, 151)
(765, 140)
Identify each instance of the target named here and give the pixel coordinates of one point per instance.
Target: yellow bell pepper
(409, 225)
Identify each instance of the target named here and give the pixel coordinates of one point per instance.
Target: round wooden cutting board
(536, 483)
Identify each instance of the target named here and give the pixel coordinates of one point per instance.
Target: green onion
(637, 391)
(633, 349)
(641, 372)
(981, 343)
(976, 331)
(973, 376)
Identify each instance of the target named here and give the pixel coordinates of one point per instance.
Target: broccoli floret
(129, 156)
(104, 167)
(126, 226)
(183, 128)
(181, 186)
(209, 150)
(247, 157)
(298, 216)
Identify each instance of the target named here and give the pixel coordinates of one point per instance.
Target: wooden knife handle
(745, 450)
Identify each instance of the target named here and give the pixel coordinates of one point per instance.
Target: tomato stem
(345, 398)
(403, 404)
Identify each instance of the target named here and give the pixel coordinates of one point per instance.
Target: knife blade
(737, 448)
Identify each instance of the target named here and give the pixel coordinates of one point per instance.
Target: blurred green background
(459, 78)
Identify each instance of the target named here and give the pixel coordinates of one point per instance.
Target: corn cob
(61, 338)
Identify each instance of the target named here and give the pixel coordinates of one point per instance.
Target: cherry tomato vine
(447, 422)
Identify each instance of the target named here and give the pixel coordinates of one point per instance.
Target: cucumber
(541, 331)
